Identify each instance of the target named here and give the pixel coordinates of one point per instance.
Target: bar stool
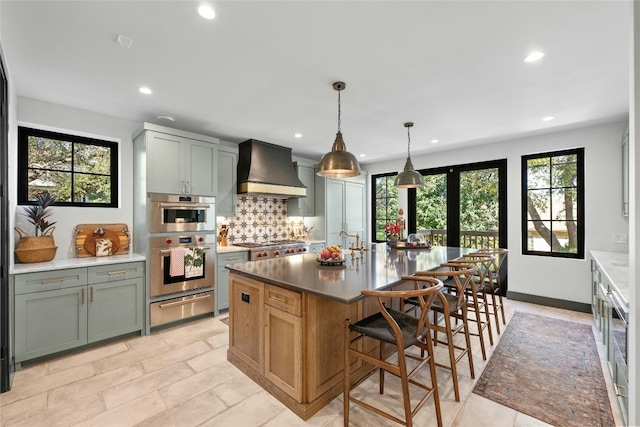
(486, 284)
(475, 303)
(394, 327)
(453, 307)
(495, 286)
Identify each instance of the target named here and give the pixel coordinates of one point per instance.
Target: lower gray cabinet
(79, 306)
(115, 309)
(222, 281)
(47, 322)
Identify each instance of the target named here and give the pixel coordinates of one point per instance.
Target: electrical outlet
(245, 297)
(620, 238)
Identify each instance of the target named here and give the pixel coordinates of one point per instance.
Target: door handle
(82, 297)
(189, 301)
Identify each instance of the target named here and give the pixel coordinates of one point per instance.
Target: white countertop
(615, 266)
(59, 264)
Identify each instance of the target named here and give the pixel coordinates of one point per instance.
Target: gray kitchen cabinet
(342, 206)
(304, 206)
(64, 309)
(177, 162)
(316, 247)
(227, 181)
(222, 279)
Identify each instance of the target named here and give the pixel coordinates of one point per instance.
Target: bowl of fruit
(331, 255)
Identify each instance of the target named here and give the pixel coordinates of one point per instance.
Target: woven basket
(35, 248)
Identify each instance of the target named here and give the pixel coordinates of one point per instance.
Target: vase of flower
(41, 246)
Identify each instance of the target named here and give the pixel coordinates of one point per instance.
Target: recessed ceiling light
(165, 117)
(548, 118)
(298, 135)
(363, 155)
(145, 90)
(534, 56)
(124, 41)
(206, 12)
(434, 141)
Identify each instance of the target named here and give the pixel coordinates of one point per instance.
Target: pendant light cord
(408, 141)
(339, 130)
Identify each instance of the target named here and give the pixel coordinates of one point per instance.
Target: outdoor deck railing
(468, 238)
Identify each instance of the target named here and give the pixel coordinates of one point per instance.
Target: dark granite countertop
(378, 268)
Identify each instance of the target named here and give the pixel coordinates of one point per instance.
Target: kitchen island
(287, 317)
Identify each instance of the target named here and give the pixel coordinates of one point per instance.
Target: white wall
(565, 279)
(48, 115)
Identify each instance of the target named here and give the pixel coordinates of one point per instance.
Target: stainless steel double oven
(182, 233)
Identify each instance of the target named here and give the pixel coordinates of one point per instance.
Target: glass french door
(463, 205)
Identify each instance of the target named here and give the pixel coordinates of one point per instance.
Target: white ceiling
(264, 69)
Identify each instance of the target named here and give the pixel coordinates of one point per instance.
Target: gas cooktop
(272, 243)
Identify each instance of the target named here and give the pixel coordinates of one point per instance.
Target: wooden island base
(290, 343)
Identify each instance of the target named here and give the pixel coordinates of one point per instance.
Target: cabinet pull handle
(117, 272)
(234, 258)
(279, 299)
(189, 301)
(82, 297)
(617, 387)
(56, 280)
(188, 187)
(92, 294)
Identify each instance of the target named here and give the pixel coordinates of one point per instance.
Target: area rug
(225, 320)
(548, 369)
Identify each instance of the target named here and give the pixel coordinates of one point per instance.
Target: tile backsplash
(259, 219)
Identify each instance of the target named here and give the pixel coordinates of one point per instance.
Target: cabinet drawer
(49, 280)
(284, 299)
(181, 308)
(232, 258)
(113, 272)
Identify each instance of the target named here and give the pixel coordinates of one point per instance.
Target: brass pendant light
(338, 163)
(409, 178)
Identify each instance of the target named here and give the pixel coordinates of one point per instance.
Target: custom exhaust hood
(265, 168)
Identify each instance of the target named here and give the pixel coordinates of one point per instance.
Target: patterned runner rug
(548, 369)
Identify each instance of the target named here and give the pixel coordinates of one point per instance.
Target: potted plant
(40, 247)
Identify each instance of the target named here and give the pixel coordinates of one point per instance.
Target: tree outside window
(553, 204)
(386, 204)
(78, 171)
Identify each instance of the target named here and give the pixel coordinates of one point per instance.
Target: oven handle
(168, 251)
(184, 205)
(189, 301)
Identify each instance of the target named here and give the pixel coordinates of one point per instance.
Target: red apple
(325, 254)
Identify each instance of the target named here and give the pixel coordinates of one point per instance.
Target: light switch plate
(620, 238)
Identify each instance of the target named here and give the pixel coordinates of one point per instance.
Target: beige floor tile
(145, 384)
(256, 410)
(129, 414)
(493, 414)
(87, 356)
(174, 355)
(236, 390)
(22, 409)
(198, 383)
(132, 356)
(206, 360)
(94, 384)
(193, 412)
(22, 389)
(219, 340)
(77, 410)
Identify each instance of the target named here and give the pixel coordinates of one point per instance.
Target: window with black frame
(385, 199)
(76, 170)
(553, 204)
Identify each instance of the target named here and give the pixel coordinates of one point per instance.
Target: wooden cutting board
(86, 235)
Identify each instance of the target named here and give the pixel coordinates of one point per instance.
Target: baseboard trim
(550, 302)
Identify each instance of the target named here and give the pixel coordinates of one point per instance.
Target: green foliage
(39, 214)
(431, 202)
(50, 164)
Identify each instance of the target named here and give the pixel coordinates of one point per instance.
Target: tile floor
(180, 377)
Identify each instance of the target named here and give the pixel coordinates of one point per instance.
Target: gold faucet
(357, 246)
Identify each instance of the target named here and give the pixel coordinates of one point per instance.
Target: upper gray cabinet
(177, 162)
(625, 174)
(304, 206)
(227, 181)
